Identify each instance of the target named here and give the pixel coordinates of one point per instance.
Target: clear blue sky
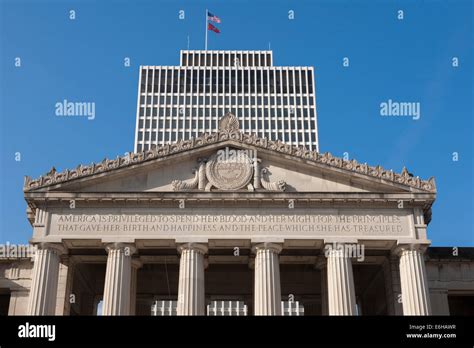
(403, 60)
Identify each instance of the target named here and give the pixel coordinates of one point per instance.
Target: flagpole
(205, 48)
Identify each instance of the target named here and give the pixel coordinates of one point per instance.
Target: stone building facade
(232, 224)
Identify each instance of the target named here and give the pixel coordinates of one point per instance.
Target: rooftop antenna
(188, 42)
(269, 46)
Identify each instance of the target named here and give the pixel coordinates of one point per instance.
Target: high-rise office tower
(179, 102)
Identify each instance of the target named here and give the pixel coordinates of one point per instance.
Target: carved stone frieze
(279, 185)
(180, 185)
(229, 173)
(228, 134)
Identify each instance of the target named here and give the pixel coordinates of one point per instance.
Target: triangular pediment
(193, 165)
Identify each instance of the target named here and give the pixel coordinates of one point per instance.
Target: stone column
(191, 295)
(136, 264)
(392, 285)
(413, 281)
(267, 292)
(322, 266)
(44, 282)
(341, 291)
(439, 302)
(66, 275)
(118, 279)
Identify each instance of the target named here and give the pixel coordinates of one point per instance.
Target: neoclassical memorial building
(229, 222)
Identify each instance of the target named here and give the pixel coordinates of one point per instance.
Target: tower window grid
(179, 102)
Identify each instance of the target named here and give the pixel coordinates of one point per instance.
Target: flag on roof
(213, 28)
(214, 18)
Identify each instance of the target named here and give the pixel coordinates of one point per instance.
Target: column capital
(199, 247)
(251, 262)
(137, 263)
(340, 241)
(273, 247)
(347, 250)
(68, 260)
(56, 248)
(121, 246)
(399, 249)
(321, 262)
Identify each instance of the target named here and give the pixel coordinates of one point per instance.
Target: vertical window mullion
(251, 111)
(165, 107)
(307, 106)
(154, 103)
(198, 104)
(171, 117)
(315, 118)
(138, 109)
(178, 106)
(160, 106)
(185, 105)
(145, 130)
(191, 105)
(296, 118)
(254, 97)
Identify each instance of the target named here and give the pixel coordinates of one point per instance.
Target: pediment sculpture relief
(229, 170)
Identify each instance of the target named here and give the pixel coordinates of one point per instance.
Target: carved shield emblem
(229, 173)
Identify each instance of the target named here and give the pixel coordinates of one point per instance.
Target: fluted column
(341, 291)
(267, 292)
(66, 276)
(322, 266)
(413, 281)
(44, 285)
(191, 295)
(118, 279)
(136, 264)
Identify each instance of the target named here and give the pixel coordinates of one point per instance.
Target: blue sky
(406, 60)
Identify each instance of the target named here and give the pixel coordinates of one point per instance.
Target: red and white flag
(213, 28)
(213, 18)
